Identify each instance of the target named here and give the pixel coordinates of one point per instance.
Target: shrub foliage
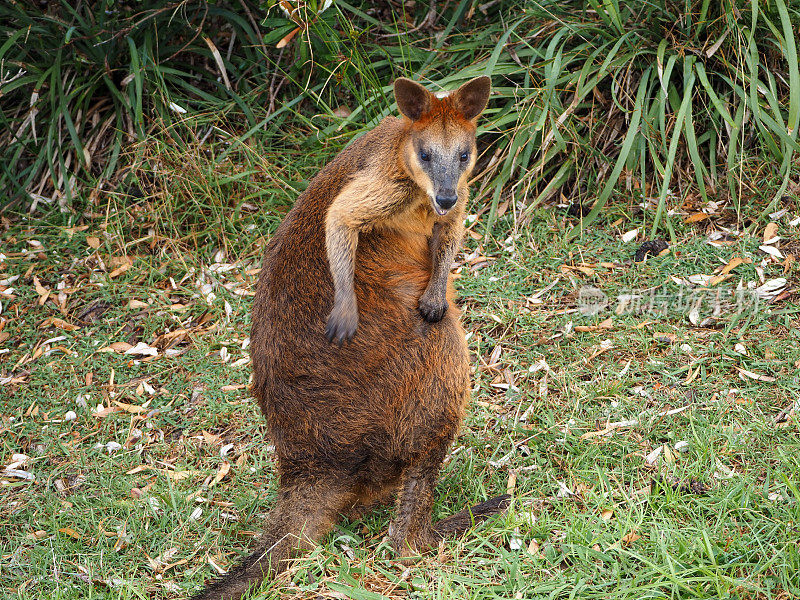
(659, 98)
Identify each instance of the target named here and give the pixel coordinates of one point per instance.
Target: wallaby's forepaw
(432, 310)
(342, 325)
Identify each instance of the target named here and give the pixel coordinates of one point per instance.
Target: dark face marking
(444, 166)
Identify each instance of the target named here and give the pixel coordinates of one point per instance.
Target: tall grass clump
(660, 98)
(78, 80)
(656, 95)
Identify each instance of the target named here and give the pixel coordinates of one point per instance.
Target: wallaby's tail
(249, 573)
(302, 516)
(461, 521)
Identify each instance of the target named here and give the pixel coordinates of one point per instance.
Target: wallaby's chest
(394, 257)
(400, 243)
(415, 220)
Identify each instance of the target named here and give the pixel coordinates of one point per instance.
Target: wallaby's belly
(393, 393)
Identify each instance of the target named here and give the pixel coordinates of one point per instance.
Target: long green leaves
(79, 81)
(661, 98)
(730, 72)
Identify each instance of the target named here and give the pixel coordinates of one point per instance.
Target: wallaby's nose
(446, 199)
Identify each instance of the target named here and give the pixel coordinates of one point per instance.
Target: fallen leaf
(210, 438)
(19, 474)
(58, 323)
(119, 271)
(580, 268)
(120, 347)
(105, 411)
(723, 472)
(630, 537)
(665, 337)
(769, 232)
(117, 261)
(223, 470)
(70, 231)
(696, 217)
(512, 481)
(694, 314)
(159, 562)
(771, 288)
(772, 251)
(179, 475)
(732, 264)
(142, 349)
(71, 533)
(652, 458)
(609, 428)
(93, 242)
(630, 235)
(700, 279)
(131, 408)
(230, 388)
(758, 377)
(606, 324)
(138, 469)
(43, 292)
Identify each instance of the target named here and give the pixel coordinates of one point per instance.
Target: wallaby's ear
(471, 98)
(413, 100)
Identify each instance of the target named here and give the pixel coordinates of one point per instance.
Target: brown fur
(358, 423)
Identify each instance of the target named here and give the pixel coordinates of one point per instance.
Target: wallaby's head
(439, 151)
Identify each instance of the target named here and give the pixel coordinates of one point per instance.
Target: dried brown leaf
(210, 438)
(769, 232)
(58, 324)
(71, 533)
(696, 217)
(120, 347)
(630, 537)
(130, 408)
(223, 470)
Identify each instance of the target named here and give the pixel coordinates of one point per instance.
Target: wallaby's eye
(424, 156)
(464, 156)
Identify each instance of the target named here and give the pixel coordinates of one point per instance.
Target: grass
(666, 99)
(578, 416)
(193, 475)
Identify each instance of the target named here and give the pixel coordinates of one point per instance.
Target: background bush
(660, 99)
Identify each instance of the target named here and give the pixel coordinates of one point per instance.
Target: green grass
(595, 111)
(667, 100)
(625, 528)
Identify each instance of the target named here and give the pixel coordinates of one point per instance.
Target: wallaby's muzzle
(444, 202)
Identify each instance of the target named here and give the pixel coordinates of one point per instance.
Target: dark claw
(432, 312)
(340, 329)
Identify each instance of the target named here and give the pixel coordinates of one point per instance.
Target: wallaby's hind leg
(304, 513)
(411, 529)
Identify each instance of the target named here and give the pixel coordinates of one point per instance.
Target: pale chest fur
(415, 219)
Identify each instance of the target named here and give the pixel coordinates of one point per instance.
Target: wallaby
(360, 364)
